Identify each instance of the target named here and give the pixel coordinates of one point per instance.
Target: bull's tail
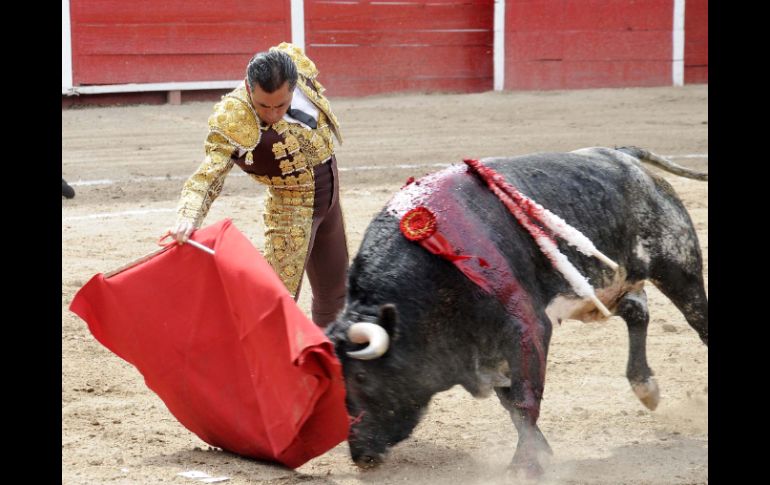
(660, 162)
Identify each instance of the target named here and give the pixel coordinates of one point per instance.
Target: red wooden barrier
(374, 46)
(369, 47)
(696, 41)
(146, 41)
(563, 44)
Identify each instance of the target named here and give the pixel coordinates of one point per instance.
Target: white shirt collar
(302, 103)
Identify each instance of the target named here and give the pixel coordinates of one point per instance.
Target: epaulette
(235, 119)
(305, 66)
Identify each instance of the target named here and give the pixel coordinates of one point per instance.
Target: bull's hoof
(367, 462)
(527, 461)
(647, 392)
(529, 469)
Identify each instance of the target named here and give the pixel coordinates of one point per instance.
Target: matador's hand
(182, 231)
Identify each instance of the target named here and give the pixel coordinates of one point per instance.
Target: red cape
(224, 345)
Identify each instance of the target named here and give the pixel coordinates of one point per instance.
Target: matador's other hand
(182, 231)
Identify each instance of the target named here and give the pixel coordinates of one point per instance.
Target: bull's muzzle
(368, 460)
(368, 333)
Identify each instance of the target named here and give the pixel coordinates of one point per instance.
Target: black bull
(440, 329)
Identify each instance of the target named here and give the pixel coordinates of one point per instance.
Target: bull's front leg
(522, 399)
(524, 407)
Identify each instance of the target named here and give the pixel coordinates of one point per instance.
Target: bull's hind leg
(633, 309)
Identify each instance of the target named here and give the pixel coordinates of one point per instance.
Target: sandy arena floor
(127, 165)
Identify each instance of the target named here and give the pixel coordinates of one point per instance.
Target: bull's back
(596, 194)
(630, 214)
(603, 193)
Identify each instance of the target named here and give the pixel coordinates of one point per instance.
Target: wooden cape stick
(151, 255)
(137, 261)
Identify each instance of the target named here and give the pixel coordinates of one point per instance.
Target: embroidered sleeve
(206, 183)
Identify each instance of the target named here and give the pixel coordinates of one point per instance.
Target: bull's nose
(367, 461)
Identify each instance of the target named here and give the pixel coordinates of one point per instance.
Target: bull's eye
(360, 377)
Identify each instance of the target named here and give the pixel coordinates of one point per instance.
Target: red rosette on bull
(418, 224)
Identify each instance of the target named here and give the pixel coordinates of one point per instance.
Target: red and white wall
(556, 44)
(366, 47)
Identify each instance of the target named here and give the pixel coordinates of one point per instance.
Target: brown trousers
(327, 260)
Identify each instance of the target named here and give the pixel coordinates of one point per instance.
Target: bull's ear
(388, 319)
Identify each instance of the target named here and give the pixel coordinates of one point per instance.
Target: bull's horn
(371, 333)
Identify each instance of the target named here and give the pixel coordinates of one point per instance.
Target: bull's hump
(421, 190)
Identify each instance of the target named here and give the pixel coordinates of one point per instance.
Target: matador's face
(271, 106)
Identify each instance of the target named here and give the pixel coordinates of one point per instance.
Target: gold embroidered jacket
(281, 156)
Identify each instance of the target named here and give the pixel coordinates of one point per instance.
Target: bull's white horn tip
(373, 334)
